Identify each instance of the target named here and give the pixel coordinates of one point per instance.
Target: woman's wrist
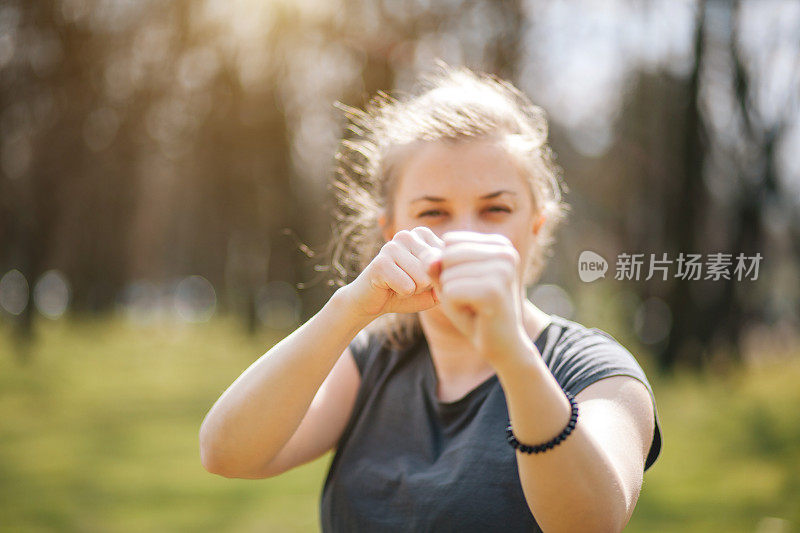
(509, 349)
(344, 305)
(521, 352)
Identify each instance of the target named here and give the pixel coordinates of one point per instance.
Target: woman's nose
(465, 223)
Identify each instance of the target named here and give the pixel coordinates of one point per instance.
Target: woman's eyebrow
(496, 194)
(491, 195)
(428, 198)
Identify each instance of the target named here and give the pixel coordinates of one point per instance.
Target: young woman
(453, 403)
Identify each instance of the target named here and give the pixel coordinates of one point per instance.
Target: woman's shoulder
(572, 337)
(582, 355)
(578, 355)
(571, 331)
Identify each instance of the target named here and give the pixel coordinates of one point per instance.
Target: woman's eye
(499, 209)
(430, 213)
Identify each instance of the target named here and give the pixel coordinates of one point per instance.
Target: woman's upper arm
(325, 420)
(618, 412)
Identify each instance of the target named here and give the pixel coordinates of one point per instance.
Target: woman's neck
(454, 357)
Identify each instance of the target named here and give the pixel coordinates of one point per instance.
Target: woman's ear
(386, 229)
(538, 224)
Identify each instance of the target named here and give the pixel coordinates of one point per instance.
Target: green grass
(731, 456)
(98, 432)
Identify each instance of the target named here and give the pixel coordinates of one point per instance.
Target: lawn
(98, 432)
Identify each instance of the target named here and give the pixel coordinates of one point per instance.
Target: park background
(165, 215)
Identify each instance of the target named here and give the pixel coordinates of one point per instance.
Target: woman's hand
(477, 280)
(396, 280)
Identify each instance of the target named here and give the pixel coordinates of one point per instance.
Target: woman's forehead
(465, 168)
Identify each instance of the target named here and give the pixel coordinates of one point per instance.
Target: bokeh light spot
(13, 292)
(51, 294)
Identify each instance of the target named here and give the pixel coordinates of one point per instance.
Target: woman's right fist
(397, 279)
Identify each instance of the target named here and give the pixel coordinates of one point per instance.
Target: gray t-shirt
(409, 462)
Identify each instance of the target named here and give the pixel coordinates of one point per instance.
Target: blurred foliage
(145, 142)
(100, 434)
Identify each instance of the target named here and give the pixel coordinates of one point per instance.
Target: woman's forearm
(574, 486)
(260, 411)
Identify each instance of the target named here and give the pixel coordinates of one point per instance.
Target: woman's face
(469, 186)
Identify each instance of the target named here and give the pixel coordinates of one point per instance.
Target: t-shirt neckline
(432, 380)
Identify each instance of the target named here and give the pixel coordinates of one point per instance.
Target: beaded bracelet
(525, 448)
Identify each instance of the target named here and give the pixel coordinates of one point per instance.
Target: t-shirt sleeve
(590, 355)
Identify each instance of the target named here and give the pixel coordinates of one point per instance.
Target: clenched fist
(478, 281)
(397, 279)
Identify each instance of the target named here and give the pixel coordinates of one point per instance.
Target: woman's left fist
(477, 280)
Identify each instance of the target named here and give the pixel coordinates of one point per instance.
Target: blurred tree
(150, 141)
(670, 153)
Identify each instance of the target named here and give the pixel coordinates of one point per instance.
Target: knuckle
(422, 279)
(446, 276)
(418, 239)
(426, 234)
(497, 238)
(509, 271)
(422, 230)
(391, 247)
(407, 289)
(504, 240)
(456, 249)
(402, 236)
(510, 254)
(382, 261)
(450, 237)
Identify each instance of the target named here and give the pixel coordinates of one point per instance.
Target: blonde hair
(451, 104)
